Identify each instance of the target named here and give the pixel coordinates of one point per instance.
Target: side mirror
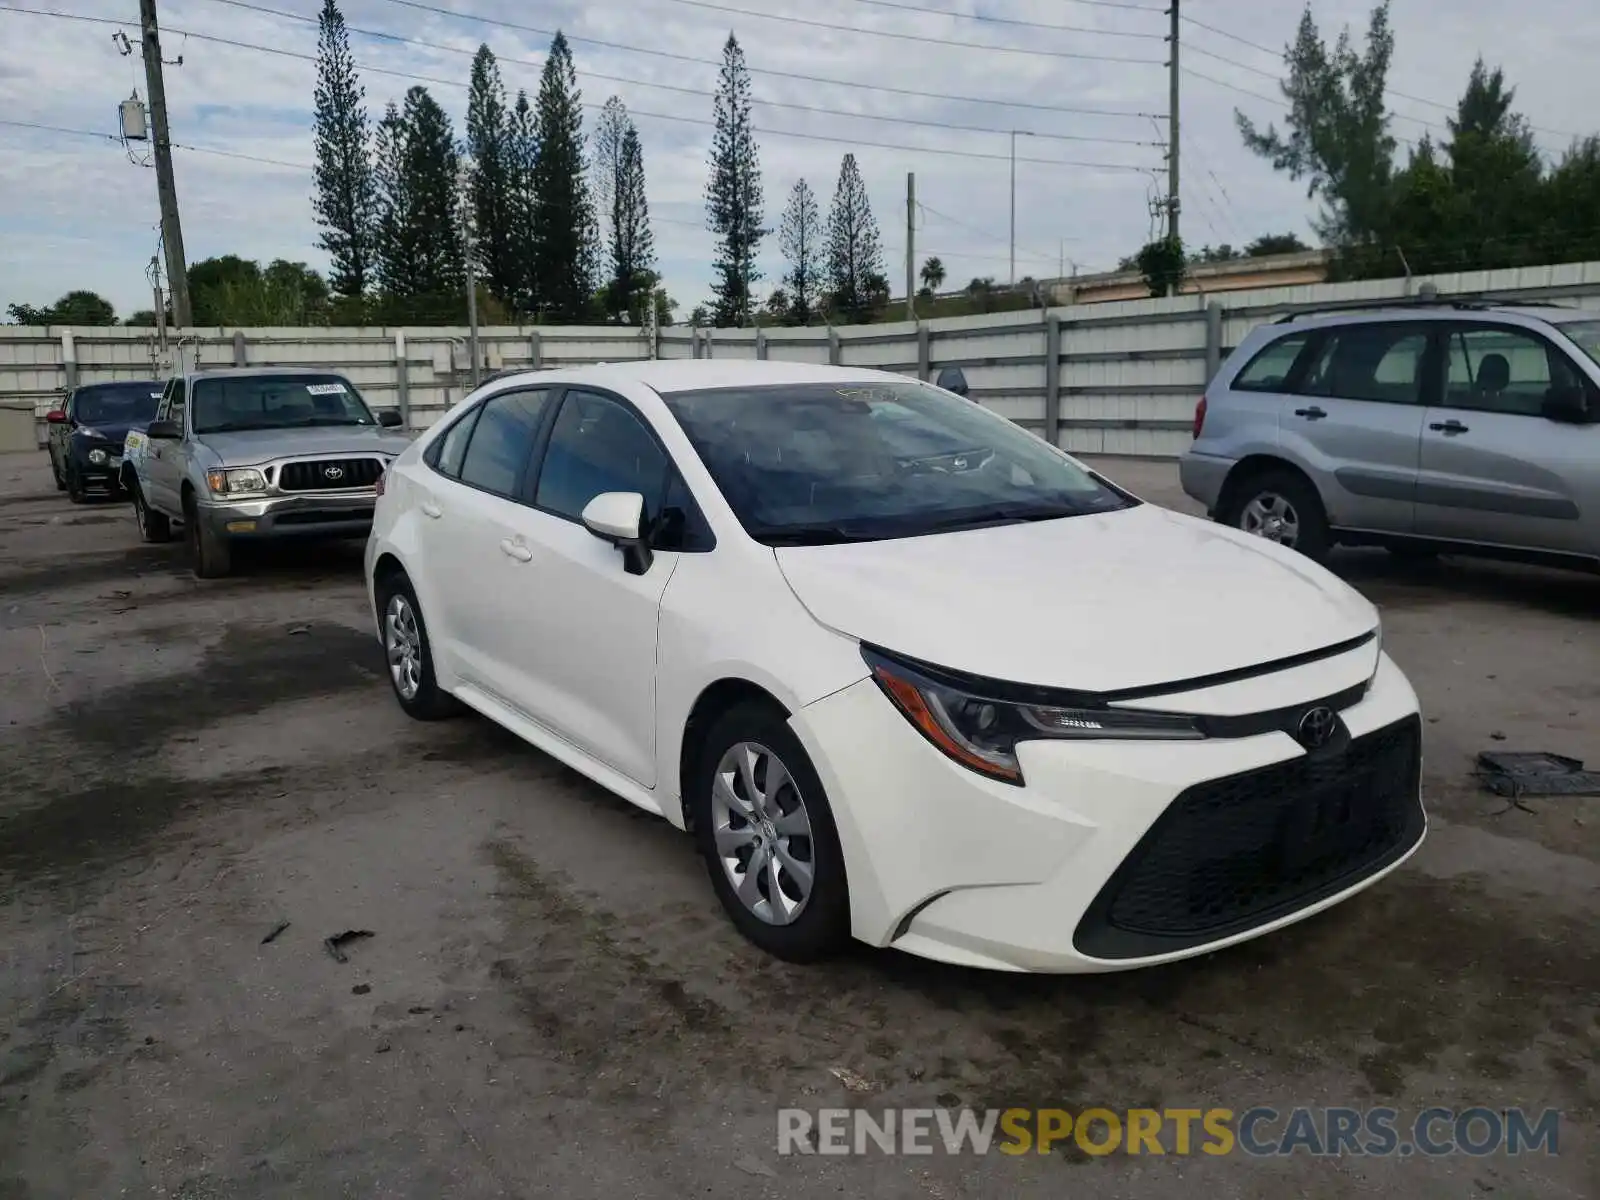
(618, 518)
(56, 416)
(1569, 405)
(389, 419)
(167, 431)
(953, 379)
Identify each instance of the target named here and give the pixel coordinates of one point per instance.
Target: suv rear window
(1269, 370)
(1381, 363)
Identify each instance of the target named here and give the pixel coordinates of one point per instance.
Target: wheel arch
(714, 699)
(1251, 467)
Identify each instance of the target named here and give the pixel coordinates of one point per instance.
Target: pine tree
(619, 180)
(565, 241)
(800, 237)
(489, 145)
(345, 202)
(733, 194)
(522, 156)
(392, 259)
(856, 278)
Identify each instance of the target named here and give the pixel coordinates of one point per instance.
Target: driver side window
(172, 406)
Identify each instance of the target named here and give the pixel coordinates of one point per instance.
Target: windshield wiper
(1004, 515)
(813, 535)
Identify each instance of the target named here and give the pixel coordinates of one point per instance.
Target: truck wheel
(212, 557)
(153, 526)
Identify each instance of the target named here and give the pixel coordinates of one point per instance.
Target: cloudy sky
(75, 212)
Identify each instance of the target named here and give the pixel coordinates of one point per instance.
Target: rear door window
(1270, 369)
(502, 440)
(1378, 363)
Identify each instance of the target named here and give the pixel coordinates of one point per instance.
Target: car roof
(105, 383)
(1465, 312)
(686, 374)
(248, 372)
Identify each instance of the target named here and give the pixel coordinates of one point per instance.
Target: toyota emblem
(333, 472)
(1317, 727)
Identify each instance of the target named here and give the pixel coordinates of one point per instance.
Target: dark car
(87, 432)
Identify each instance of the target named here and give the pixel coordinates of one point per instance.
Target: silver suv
(255, 453)
(1453, 426)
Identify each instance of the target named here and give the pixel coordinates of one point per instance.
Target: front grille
(329, 474)
(1234, 853)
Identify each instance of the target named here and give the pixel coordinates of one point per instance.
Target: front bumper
(347, 514)
(107, 472)
(951, 866)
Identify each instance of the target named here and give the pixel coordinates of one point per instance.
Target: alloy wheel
(762, 833)
(1271, 516)
(403, 645)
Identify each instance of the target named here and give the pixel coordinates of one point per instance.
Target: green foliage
(522, 139)
(630, 248)
(489, 147)
(237, 292)
(1275, 243)
(1162, 263)
(932, 274)
(565, 240)
(75, 308)
(1337, 132)
(733, 194)
(857, 285)
(800, 238)
(344, 201)
(420, 260)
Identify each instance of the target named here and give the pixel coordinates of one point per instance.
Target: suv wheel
(75, 492)
(764, 827)
(409, 653)
(1280, 506)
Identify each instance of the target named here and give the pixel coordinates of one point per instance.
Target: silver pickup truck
(255, 453)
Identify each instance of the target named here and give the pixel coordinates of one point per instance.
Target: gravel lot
(552, 1001)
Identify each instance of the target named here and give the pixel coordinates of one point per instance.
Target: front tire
(153, 526)
(766, 831)
(409, 654)
(75, 492)
(1281, 506)
(211, 555)
(55, 472)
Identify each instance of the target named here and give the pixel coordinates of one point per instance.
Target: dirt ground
(552, 1003)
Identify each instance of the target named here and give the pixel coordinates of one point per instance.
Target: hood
(110, 431)
(1128, 599)
(251, 446)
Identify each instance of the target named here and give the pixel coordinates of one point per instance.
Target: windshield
(275, 402)
(1586, 334)
(820, 463)
(117, 404)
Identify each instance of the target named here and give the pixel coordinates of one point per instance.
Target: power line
(111, 137)
(985, 19)
(925, 39)
(983, 233)
(687, 91)
(858, 143)
(1276, 100)
(462, 15)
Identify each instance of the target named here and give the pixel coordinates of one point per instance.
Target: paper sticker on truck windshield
(325, 389)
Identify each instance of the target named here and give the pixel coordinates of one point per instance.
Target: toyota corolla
(907, 672)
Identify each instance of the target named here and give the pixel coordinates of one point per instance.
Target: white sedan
(906, 671)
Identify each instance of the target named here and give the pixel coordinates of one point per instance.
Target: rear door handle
(430, 509)
(1311, 414)
(1448, 427)
(516, 550)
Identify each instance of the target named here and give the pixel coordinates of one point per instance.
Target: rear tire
(1282, 506)
(748, 820)
(408, 653)
(212, 556)
(153, 526)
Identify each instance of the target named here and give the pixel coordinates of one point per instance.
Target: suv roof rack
(1461, 301)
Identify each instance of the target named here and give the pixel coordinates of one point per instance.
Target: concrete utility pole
(166, 187)
(467, 223)
(911, 245)
(1172, 128)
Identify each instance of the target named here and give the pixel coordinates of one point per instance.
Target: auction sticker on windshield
(326, 389)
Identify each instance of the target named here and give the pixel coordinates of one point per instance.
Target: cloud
(75, 212)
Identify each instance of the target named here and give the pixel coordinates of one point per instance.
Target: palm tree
(932, 274)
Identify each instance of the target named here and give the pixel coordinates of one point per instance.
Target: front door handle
(430, 509)
(516, 550)
(1448, 427)
(1311, 414)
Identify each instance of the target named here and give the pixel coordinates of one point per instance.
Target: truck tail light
(1199, 416)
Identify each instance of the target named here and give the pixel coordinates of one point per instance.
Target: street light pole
(1015, 133)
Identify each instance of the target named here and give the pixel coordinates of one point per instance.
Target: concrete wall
(1107, 378)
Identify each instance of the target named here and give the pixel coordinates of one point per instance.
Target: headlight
(982, 732)
(88, 432)
(236, 482)
(98, 457)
